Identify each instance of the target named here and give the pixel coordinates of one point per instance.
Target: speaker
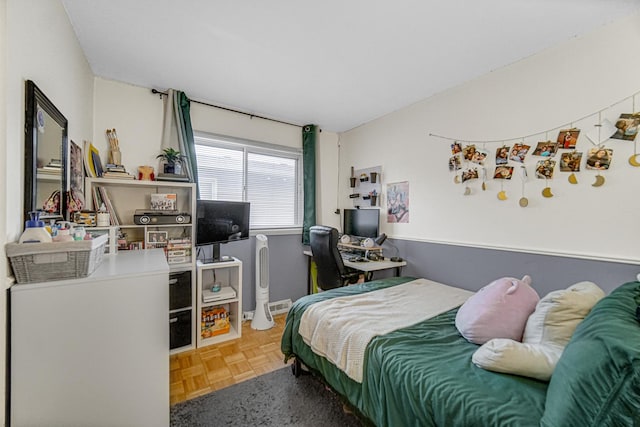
(153, 218)
(345, 239)
(368, 242)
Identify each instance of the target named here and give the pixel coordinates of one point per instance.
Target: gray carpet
(274, 399)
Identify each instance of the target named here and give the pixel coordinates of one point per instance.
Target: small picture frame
(156, 239)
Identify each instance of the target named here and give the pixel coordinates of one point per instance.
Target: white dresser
(93, 351)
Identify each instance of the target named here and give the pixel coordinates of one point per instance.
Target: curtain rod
(157, 92)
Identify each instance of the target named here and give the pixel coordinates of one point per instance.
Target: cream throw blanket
(340, 329)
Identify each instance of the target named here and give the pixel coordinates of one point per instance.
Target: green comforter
(422, 375)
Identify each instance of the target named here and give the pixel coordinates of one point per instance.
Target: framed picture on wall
(398, 202)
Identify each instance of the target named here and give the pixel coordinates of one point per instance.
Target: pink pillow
(499, 310)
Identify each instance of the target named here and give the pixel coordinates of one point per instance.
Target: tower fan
(262, 318)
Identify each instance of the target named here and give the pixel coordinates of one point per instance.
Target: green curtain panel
(183, 117)
(309, 136)
(177, 132)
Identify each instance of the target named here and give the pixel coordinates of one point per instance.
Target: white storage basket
(43, 262)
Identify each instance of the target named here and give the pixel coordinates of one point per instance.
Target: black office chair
(332, 272)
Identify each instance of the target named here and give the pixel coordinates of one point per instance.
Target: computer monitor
(220, 221)
(361, 222)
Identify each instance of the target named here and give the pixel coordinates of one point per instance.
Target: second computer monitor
(361, 222)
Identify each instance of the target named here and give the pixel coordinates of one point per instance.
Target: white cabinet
(219, 301)
(176, 236)
(93, 351)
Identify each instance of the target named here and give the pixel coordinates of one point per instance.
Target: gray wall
(472, 268)
(465, 267)
(287, 267)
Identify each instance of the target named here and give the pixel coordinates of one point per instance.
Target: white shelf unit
(227, 274)
(128, 196)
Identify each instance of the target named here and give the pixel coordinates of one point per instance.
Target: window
(269, 177)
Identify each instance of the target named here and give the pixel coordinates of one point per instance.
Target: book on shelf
(97, 164)
(111, 167)
(113, 214)
(117, 175)
(97, 199)
(91, 158)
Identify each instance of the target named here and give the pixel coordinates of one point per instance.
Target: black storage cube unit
(179, 290)
(179, 329)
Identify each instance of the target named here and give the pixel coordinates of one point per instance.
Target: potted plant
(172, 160)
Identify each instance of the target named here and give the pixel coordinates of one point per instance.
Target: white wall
(542, 92)
(41, 46)
(37, 44)
(137, 116)
(328, 180)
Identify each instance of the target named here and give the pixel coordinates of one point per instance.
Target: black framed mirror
(45, 170)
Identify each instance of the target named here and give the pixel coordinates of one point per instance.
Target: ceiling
(335, 63)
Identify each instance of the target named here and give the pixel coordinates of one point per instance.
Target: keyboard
(346, 256)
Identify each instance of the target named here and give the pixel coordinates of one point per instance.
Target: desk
(368, 268)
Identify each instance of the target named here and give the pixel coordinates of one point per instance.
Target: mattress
(421, 375)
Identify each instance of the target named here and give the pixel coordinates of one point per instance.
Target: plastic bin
(43, 262)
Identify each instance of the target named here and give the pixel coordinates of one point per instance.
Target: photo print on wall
(627, 127)
(599, 158)
(567, 138)
(479, 156)
(570, 161)
(544, 169)
(455, 162)
(503, 172)
(518, 152)
(468, 152)
(502, 155)
(470, 174)
(546, 149)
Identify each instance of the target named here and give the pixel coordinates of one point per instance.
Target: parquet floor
(201, 371)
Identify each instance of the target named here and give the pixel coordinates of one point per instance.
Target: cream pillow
(546, 333)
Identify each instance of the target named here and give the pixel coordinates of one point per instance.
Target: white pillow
(513, 357)
(546, 333)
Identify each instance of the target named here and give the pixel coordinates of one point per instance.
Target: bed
(422, 375)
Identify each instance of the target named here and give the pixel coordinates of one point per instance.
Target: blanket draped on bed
(341, 328)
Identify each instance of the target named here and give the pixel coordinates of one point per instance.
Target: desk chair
(332, 272)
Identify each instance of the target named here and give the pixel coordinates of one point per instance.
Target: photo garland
(469, 161)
